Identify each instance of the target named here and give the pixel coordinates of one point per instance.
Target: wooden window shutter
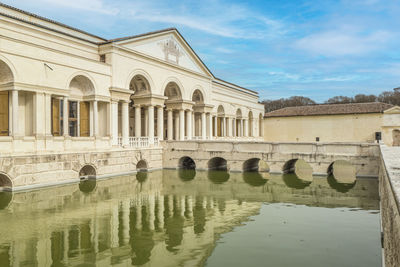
(55, 115)
(84, 119)
(4, 113)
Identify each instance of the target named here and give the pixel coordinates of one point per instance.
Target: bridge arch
(87, 172)
(5, 182)
(186, 163)
(218, 163)
(141, 165)
(255, 165)
(301, 168)
(342, 171)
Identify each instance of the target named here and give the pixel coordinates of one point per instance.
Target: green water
(188, 218)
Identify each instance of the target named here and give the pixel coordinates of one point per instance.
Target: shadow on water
(293, 181)
(186, 175)
(87, 186)
(339, 187)
(218, 176)
(255, 178)
(5, 199)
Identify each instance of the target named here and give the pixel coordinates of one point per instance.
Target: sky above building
(316, 49)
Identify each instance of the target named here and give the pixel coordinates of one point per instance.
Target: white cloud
(338, 43)
(97, 6)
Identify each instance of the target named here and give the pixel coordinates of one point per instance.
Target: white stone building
(62, 89)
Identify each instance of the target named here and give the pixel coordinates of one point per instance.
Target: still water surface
(188, 218)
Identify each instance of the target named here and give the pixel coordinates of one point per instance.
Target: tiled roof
(330, 109)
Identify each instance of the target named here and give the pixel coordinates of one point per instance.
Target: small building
(354, 122)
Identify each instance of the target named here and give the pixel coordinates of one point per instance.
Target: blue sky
(280, 48)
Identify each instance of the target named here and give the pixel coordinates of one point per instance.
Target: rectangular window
(73, 118)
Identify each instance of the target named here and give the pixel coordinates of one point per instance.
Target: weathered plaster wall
(389, 189)
(329, 128)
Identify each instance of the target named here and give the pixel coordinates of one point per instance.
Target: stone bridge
(239, 156)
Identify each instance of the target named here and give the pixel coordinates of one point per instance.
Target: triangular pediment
(393, 110)
(168, 46)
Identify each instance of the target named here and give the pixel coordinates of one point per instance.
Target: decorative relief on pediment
(171, 50)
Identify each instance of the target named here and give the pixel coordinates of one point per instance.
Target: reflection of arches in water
(141, 165)
(255, 165)
(291, 180)
(342, 171)
(300, 167)
(141, 176)
(87, 186)
(186, 163)
(340, 187)
(5, 182)
(217, 163)
(254, 179)
(5, 199)
(218, 176)
(186, 174)
(87, 171)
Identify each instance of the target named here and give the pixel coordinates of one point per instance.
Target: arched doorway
(198, 99)
(138, 114)
(239, 130)
(220, 121)
(6, 76)
(174, 116)
(79, 110)
(187, 163)
(141, 165)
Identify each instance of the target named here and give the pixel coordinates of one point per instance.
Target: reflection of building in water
(121, 221)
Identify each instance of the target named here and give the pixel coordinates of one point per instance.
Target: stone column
(95, 118)
(151, 123)
(15, 105)
(242, 127)
(176, 126)
(246, 127)
(210, 124)
(181, 124)
(48, 114)
(234, 127)
(170, 131)
(160, 122)
(193, 124)
(138, 121)
(189, 124)
(114, 120)
(203, 126)
(146, 122)
(125, 123)
(215, 126)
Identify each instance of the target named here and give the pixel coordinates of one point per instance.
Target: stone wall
(30, 171)
(389, 189)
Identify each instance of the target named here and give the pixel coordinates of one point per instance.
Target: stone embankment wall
(389, 190)
(29, 171)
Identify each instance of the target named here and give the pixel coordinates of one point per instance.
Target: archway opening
(6, 76)
(173, 92)
(139, 85)
(5, 183)
(396, 137)
(342, 171)
(299, 167)
(141, 166)
(198, 97)
(187, 163)
(218, 163)
(255, 165)
(87, 172)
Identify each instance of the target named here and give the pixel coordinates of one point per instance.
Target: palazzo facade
(62, 89)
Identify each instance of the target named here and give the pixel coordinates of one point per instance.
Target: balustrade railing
(140, 142)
